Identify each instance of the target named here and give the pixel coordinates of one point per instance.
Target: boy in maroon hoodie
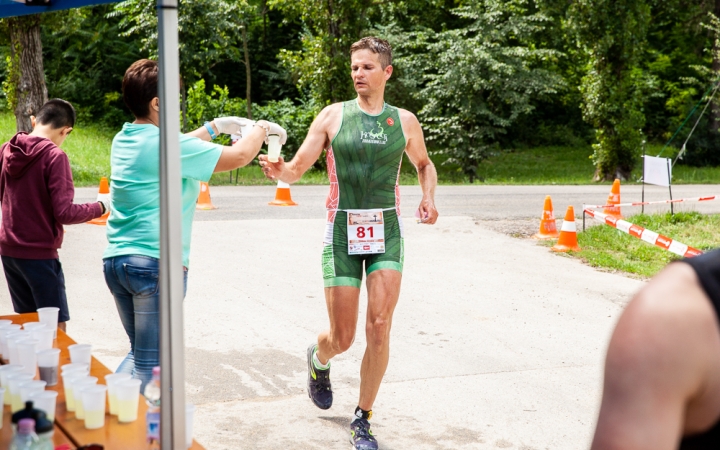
(36, 192)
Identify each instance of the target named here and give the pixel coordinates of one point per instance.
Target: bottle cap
(26, 426)
(40, 421)
(156, 372)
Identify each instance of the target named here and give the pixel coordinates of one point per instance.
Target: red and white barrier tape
(646, 235)
(679, 200)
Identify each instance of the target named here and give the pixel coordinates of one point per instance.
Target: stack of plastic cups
(76, 386)
(112, 380)
(93, 402)
(49, 316)
(27, 355)
(4, 331)
(45, 401)
(14, 381)
(30, 387)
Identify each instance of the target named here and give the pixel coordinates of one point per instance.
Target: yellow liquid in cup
(16, 402)
(69, 400)
(127, 410)
(79, 410)
(112, 400)
(94, 419)
(7, 398)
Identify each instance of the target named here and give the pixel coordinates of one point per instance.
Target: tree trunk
(715, 109)
(248, 82)
(30, 90)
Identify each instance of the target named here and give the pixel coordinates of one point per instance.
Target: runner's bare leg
(383, 293)
(342, 304)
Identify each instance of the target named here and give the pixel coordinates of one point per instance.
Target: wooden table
(114, 435)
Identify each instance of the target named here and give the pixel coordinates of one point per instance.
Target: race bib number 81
(366, 231)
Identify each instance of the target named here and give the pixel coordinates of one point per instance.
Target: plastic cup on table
(73, 367)
(12, 341)
(80, 353)
(128, 400)
(68, 379)
(49, 316)
(93, 401)
(2, 401)
(274, 148)
(112, 380)
(14, 381)
(79, 387)
(5, 371)
(31, 326)
(27, 355)
(189, 419)
(4, 331)
(75, 385)
(30, 387)
(48, 361)
(45, 401)
(44, 336)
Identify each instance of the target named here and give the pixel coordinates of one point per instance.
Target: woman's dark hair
(57, 113)
(140, 86)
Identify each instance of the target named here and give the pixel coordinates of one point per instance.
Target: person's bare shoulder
(329, 119)
(408, 119)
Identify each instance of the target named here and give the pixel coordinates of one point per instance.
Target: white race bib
(366, 231)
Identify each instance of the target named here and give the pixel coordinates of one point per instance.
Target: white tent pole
(172, 340)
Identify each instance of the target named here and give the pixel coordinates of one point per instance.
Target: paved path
(497, 343)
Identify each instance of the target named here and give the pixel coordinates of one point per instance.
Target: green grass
(88, 148)
(608, 248)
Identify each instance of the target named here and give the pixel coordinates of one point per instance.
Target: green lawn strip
(608, 248)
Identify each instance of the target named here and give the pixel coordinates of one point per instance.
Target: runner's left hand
(271, 170)
(428, 213)
(232, 124)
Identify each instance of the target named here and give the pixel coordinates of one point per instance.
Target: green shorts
(341, 269)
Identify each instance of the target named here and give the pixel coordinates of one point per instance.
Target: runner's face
(367, 72)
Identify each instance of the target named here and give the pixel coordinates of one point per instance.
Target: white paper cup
(77, 387)
(32, 326)
(27, 355)
(93, 400)
(14, 381)
(274, 148)
(4, 331)
(45, 401)
(30, 387)
(49, 316)
(80, 353)
(48, 361)
(128, 397)
(44, 336)
(189, 419)
(112, 380)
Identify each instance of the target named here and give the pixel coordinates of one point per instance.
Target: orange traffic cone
(204, 201)
(614, 199)
(103, 193)
(282, 196)
(548, 229)
(568, 234)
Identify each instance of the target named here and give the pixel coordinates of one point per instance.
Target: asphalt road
(496, 342)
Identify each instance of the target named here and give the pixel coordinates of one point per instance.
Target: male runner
(365, 139)
(662, 374)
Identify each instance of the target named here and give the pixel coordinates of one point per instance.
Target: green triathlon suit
(363, 164)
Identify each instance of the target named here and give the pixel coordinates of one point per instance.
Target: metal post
(172, 340)
(672, 205)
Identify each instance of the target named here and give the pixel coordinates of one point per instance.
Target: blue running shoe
(319, 389)
(361, 437)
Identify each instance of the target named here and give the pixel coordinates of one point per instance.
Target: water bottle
(25, 438)
(152, 397)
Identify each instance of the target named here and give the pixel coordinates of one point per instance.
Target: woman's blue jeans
(133, 281)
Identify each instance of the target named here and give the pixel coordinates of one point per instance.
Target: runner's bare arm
(315, 142)
(657, 363)
(427, 175)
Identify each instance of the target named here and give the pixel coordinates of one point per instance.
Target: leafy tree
(613, 32)
(477, 80)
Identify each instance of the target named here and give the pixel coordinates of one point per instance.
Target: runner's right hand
(271, 170)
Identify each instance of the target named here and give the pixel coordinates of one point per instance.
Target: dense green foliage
(483, 76)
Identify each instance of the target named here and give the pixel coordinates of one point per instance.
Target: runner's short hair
(140, 86)
(57, 113)
(376, 45)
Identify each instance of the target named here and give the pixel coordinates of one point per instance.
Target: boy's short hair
(140, 86)
(57, 113)
(381, 47)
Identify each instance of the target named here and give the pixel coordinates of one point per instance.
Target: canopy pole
(172, 339)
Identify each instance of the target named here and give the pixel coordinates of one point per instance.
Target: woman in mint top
(133, 228)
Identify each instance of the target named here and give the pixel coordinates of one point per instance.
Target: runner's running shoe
(319, 389)
(361, 437)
